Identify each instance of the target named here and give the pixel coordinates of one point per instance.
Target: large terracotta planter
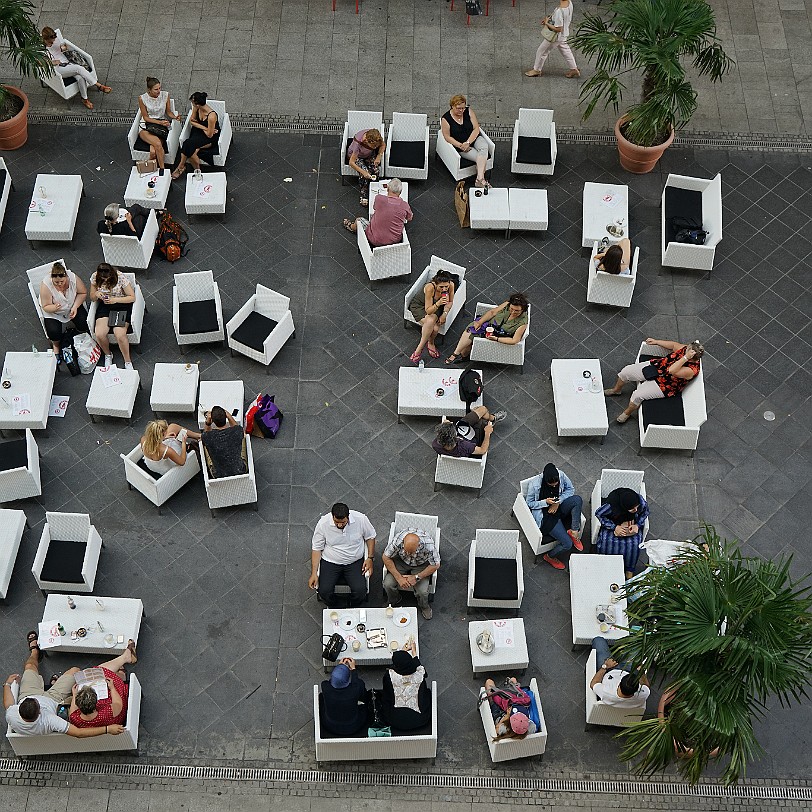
(680, 750)
(638, 159)
(14, 132)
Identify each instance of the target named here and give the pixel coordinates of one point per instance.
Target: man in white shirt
(343, 547)
(614, 683)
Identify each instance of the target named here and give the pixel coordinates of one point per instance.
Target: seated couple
(405, 702)
(470, 436)
(388, 220)
(510, 708)
(36, 710)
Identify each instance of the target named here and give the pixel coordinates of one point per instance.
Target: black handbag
(334, 644)
(157, 129)
(650, 372)
(688, 231)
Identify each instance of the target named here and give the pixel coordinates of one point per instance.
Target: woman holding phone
(113, 293)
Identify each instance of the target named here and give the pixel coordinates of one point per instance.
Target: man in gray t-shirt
(223, 441)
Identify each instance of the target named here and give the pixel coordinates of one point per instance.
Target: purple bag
(268, 417)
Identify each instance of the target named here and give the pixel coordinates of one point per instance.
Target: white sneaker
(128, 365)
(108, 360)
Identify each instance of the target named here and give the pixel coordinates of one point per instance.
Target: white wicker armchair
(260, 328)
(460, 167)
(137, 322)
(437, 264)
(416, 521)
(491, 352)
(66, 86)
(534, 147)
(409, 141)
(523, 515)
(217, 158)
(7, 185)
(612, 478)
(507, 749)
(130, 252)
(465, 472)
(387, 260)
(68, 554)
(158, 488)
(139, 150)
(19, 469)
(609, 288)
(197, 312)
(495, 572)
(12, 527)
(232, 490)
(696, 199)
(599, 713)
(358, 120)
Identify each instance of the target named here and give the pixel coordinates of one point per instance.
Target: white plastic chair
(683, 255)
(139, 150)
(358, 120)
(157, 488)
(534, 146)
(416, 521)
(507, 749)
(492, 352)
(386, 261)
(195, 304)
(460, 167)
(524, 516)
(66, 86)
(8, 185)
(409, 139)
(264, 345)
(460, 294)
(609, 288)
(35, 277)
(223, 143)
(68, 527)
(495, 546)
(612, 478)
(137, 319)
(130, 252)
(599, 713)
(232, 490)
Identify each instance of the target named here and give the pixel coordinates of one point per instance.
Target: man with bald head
(411, 558)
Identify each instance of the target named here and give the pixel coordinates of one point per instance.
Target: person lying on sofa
(35, 712)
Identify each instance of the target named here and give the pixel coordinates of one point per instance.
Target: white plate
(402, 619)
(110, 645)
(347, 622)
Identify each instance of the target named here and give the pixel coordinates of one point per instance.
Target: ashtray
(613, 587)
(484, 642)
(478, 193)
(6, 384)
(586, 373)
(360, 628)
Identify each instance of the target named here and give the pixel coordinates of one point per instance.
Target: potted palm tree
(650, 39)
(726, 634)
(22, 45)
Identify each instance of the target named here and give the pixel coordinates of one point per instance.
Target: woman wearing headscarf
(556, 508)
(344, 695)
(406, 695)
(622, 516)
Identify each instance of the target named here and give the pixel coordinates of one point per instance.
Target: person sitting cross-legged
(411, 558)
(615, 683)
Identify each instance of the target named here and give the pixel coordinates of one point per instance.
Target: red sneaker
(576, 542)
(554, 562)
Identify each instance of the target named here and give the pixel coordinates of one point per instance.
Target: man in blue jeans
(552, 500)
(617, 684)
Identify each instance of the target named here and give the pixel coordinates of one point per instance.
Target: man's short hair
(340, 511)
(395, 186)
(86, 700)
(447, 435)
(629, 684)
(218, 416)
(29, 710)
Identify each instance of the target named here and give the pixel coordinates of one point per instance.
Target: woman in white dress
(156, 115)
(559, 22)
(56, 47)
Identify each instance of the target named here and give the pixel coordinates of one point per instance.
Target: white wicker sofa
(66, 86)
(696, 199)
(539, 543)
(363, 748)
(62, 743)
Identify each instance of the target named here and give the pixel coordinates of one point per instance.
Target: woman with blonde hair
(364, 155)
(164, 445)
(156, 112)
(460, 127)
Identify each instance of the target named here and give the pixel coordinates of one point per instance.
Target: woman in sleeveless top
(156, 112)
(164, 445)
(56, 47)
(62, 297)
(459, 126)
(558, 21)
(112, 291)
(430, 308)
(205, 134)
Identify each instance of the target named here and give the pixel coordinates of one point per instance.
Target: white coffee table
(503, 658)
(417, 392)
(377, 187)
(12, 526)
(117, 616)
(64, 193)
(31, 375)
(137, 189)
(580, 405)
(590, 579)
(604, 204)
(207, 195)
(174, 388)
(528, 209)
(375, 619)
(228, 394)
(491, 211)
(113, 401)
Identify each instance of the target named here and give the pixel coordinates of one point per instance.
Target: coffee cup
(604, 627)
(109, 639)
(488, 332)
(334, 616)
(356, 645)
(150, 192)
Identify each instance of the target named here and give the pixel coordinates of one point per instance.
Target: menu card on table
(503, 633)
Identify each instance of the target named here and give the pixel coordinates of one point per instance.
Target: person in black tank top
(204, 135)
(460, 128)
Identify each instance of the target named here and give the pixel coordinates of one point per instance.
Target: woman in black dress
(205, 134)
(121, 222)
(460, 128)
(406, 694)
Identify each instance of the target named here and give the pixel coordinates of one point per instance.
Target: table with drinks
(371, 635)
(431, 391)
(149, 191)
(54, 208)
(580, 405)
(597, 610)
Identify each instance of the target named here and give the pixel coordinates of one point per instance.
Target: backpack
(470, 387)
(172, 238)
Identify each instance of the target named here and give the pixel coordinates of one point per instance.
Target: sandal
(104, 88)
(452, 359)
(87, 103)
(54, 678)
(415, 357)
(178, 173)
(348, 224)
(33, 643)
(131, 646)
(434, 352)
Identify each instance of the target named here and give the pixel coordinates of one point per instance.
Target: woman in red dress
(87, 710)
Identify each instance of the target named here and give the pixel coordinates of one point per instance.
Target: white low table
(377, 187)
(417, 392)
(59, 220)
(137, 189)
(590, 579)
(228, 394)
(502, 658)
(579, 413)
(490, 210)
(113, 401)
(12, 525)
(208, 195)
(118, 617)
(174, 388)
(604, 204)
(376, 619)
(31, 375)
(528, 209)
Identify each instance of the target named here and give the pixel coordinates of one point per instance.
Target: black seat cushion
(197, 317)
(68, 80)
(534, 150)
(664, 412)
(142, 146)
(408, 153)
(143, 466)
(682, 203)
(63, 561)
(3, 176)
(254, 330)
(495, 579)
(207, 155)
(13, 454)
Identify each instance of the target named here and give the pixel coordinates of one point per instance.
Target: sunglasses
(58, 275)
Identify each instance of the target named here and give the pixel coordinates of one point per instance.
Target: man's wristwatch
(417, 577)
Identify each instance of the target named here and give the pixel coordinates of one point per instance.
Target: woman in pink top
(391, 214)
